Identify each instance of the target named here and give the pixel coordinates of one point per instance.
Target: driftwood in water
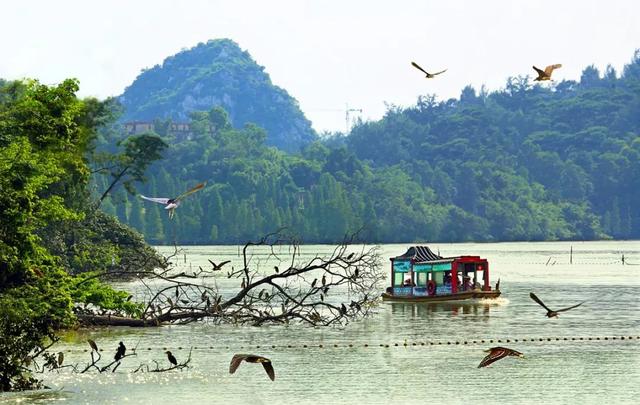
(296, 290)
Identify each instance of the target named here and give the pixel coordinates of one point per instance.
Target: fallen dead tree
(318, 290)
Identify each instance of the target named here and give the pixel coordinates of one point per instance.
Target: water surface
(422, 363)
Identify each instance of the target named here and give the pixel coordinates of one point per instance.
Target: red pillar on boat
(454, 277)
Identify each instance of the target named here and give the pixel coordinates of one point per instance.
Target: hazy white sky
(324, 53)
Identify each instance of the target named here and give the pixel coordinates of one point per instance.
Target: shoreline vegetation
(52, 237)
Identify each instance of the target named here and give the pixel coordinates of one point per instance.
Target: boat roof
(422, 254)
(419, 254)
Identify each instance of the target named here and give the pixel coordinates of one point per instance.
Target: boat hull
(461, 296)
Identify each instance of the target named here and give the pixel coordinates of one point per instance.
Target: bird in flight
(497, 353)
(546, 73)
(252, 358)
(217, 267)
(171, 358)
(172, 203)
(428, 75)
(551, 313)
(120, 352)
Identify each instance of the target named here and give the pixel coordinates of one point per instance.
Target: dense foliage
(529, 162)
(49, 229)
(218, 73)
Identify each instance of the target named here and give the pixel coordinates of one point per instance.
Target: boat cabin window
(398, 279)
(421, 279)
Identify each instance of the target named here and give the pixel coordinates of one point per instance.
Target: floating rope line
(556, 263)
(388, 345)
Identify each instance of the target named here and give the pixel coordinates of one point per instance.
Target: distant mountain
(218, 73)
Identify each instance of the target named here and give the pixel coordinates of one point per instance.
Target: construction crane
(347, 111)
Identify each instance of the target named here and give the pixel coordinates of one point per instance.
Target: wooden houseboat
(420, 275)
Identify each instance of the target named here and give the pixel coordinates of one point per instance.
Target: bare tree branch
(308, 290)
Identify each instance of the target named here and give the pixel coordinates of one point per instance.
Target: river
(431, 355)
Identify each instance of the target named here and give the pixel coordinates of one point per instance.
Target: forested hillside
(528, 162)
(217, 73)
(499, 156)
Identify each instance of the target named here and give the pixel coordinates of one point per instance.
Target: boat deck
(460, 296)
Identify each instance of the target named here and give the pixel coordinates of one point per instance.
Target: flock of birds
(495, 353)
(542, 74)
(236, 360)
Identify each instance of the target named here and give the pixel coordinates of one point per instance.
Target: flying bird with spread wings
(171, 204)
(546, 73)
(551, 313)
(497, 353)
(252, 358)
(428, 75)
(218, 266)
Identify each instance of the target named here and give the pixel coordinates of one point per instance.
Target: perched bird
(497, 353)
(60, 358)
(276, 269)
(551, 313)
(428, 75)
(93, 345)
(252, 358)
(343, 309)
(171, 358)
(217, 267)
(120, 352)
(324, 280)
(546, 73)
(172, 203)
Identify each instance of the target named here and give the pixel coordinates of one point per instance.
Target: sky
(329, 55)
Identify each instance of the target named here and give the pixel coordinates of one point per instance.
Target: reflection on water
(424, 310)
(556, 371)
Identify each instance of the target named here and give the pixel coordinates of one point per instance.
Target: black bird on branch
(120, 352)
(497, 353)
(551, 313)
(93, 345)
(252, 358)
(171, 358)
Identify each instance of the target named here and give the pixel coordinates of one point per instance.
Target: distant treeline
(529, 162)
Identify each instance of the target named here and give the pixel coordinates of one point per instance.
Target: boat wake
(498, 302)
